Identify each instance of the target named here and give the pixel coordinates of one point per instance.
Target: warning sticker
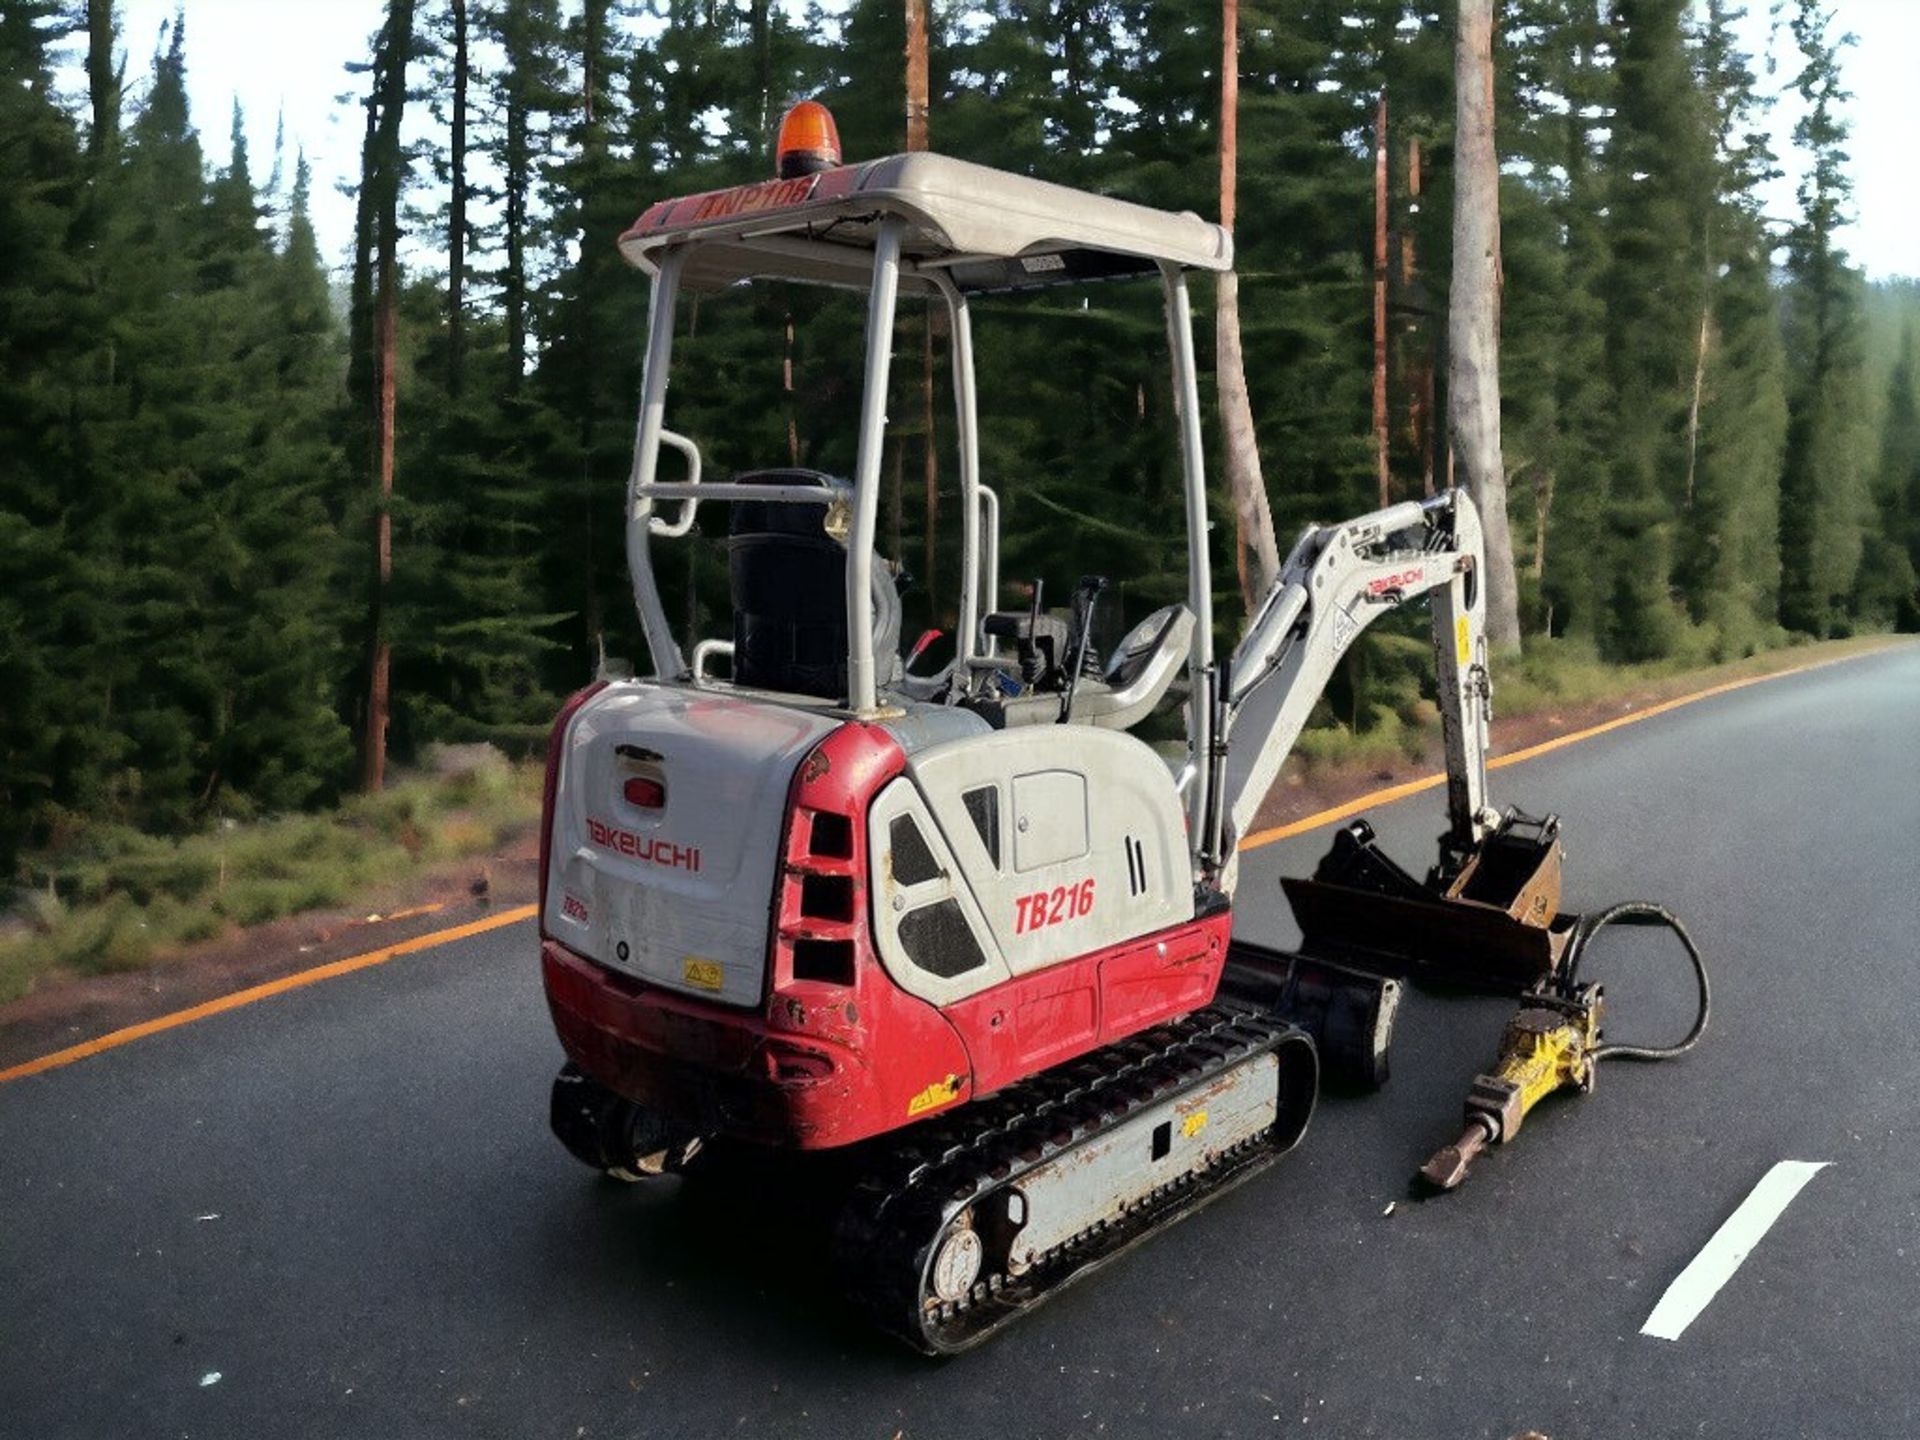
(1345, 627)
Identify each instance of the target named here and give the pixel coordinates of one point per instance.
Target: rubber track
(898, 1212)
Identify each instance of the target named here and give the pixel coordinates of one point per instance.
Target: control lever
(1086, 599)
(1042, 641)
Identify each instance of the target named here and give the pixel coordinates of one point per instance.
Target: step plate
(1104, 1178)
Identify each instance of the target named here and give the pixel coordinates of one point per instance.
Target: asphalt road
(344, 1203)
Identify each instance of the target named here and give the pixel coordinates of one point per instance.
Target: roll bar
(979, 506)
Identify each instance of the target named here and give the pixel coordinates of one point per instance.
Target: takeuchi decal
(651, 849)
(1389, 583)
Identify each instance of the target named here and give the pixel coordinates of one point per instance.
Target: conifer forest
(213, 570)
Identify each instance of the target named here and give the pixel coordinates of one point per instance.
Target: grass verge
(111, 899)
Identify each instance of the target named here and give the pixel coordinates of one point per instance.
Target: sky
(288, 57)
(275, 57)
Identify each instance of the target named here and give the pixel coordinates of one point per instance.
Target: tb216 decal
(1052, 907)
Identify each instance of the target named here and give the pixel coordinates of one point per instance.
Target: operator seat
(788, 581)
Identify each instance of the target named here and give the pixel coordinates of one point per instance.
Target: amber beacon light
(809, 141)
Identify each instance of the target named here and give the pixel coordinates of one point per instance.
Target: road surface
(343, 1202)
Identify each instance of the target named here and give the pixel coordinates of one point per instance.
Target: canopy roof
(987, 229)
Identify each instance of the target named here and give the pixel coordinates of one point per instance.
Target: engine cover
(667, 821)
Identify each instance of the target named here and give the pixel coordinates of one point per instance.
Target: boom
(1338, 580)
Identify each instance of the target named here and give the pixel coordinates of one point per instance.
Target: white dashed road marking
(1696, 1285)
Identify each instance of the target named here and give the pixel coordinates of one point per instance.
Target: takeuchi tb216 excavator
(966, 926)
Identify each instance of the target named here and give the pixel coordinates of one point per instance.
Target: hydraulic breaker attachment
(1484, 919)
(1553, 1043)
(1549, 1045)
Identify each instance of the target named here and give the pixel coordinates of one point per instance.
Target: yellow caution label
(1462, 640)
(704, 973)
(934, 1096)
(1193, 1124)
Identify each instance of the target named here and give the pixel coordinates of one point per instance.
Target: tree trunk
(917, 106)
(457, 208)
(386, 160)
(1473, 318)
(378, 682)
(1699, 385)
(761, 28)
(517, 182)
(1542, 511)
(1381, 474)
(916, 74)
(896, 507)
(1256, 553)
(104, 78)
(1420, 382)
(360, 337)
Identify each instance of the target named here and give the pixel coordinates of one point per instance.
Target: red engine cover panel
(721, 1071)
(1046, 1018)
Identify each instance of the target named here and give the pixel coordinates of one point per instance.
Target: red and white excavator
(967, 923)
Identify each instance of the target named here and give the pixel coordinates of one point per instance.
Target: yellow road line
(1429, 782)
(238, 998)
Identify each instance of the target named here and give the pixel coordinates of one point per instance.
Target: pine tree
(49, 611)
(106, 79)
(1556, 395)
(1659, 197)
(1887, 592)
(1730, 563)
(154, 495)
(1823, 495)
(281, 742)
(527, 32)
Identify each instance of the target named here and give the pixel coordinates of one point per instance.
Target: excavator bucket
(1489, 922)
(1486, 919)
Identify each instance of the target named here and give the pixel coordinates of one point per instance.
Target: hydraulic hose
(1640, 912)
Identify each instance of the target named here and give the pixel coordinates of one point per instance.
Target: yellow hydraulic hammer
(1547, 1046)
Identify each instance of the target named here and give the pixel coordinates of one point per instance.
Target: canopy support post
(862, 693)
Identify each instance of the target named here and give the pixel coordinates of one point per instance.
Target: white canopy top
(987, 229)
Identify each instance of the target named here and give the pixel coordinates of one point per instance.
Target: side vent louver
(820, 900)
(1136, 867)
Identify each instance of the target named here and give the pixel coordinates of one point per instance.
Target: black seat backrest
(789, 584)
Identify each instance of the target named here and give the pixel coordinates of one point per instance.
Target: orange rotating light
(809, 141)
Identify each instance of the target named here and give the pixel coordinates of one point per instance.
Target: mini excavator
(967, 927)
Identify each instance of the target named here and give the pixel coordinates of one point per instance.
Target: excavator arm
(1337, 581)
